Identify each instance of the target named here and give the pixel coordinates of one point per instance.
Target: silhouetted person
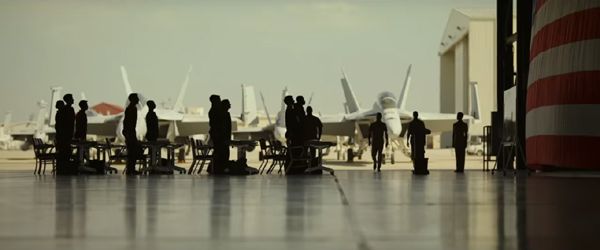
(460, 132)
(377, 134)
(130, 134)
(227, 128)
(81, 122)
(65, 124)
(69, 118)
(313, 128)
(417, 137)
(60, 105)
(151, 122)
(300, 115)
(216, 132)
(291, 123)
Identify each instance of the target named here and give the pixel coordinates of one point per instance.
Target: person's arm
(320, 127)
(454, 132)
(370, 132)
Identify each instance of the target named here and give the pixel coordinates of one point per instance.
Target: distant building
(468, 54)
(104, 108)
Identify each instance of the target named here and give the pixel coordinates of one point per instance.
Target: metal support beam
(504, 63)
(524, 21)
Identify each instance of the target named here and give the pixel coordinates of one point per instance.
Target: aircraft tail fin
(249, 111)
(351, 101)
(404, 94)
(40, 121)
(125, 77)
(53, 99)
(262, 98)
(179, 102)
(5, 130)
(475, 108)
(281, 115)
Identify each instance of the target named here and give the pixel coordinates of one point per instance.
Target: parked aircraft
(173, 122)
(395, 116)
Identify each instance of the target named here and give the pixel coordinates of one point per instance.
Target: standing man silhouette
(66, 125)
(151, 122)
(62, 157)
(313, 128)
(130, 134)
(460, 132)
(216, 118)
(226, 128)
(416, 137)
(81, 122)
(58, 118)
(300, 116)
(291, 123)
(69, 118)
(377, 132)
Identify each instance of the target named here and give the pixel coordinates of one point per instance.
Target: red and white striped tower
(563, 96)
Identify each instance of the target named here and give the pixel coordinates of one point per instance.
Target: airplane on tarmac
(173, 122)
(395, 117)
(19, 136)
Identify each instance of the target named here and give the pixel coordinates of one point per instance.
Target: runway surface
(354, 210)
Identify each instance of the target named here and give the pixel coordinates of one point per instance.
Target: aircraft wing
(337, 125)
(436, 122)
(193, 125)
(103, 125)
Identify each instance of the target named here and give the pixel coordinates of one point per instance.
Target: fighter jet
(173, 122)
(395, 116)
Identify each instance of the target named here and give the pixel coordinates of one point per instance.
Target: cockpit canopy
(387, 100)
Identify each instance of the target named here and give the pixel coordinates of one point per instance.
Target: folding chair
(280, 156)
(44, 154)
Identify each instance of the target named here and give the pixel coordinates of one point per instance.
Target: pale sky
(269, 44)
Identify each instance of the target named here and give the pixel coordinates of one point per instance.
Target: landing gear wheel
(383, 159)
(350, 154)
(393, 159)
(360, 156)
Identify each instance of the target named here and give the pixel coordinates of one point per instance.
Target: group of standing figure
(220, 133)
(133, 145)
(69, 127)
(301, 126)
(416, 140)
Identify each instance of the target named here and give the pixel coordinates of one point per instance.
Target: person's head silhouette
(215, 99)
(309, 110)
(59, 105)
(133, 99)
(415, 115)
(300, 100)
(83, 105)
(68, 98)
(289, 100)
(151, 105)
(378, 117)
(459, 116)
(226, 104)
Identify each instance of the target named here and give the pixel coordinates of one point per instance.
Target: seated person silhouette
(130, 134)
(81, 122)
(377, 134)
(151, 122)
